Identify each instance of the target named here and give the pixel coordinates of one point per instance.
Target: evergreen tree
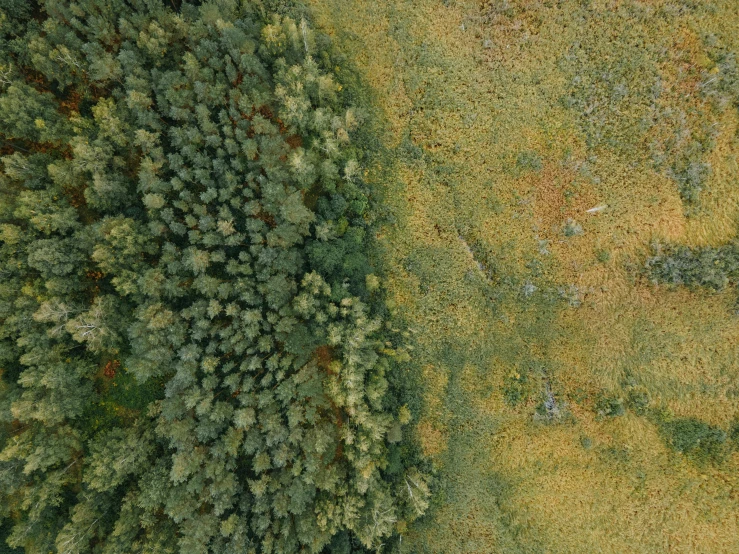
(189, 360)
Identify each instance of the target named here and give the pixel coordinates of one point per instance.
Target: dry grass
(472, 89)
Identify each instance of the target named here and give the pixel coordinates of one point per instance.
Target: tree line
(193, 347)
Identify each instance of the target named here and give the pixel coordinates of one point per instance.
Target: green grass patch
(696, 439)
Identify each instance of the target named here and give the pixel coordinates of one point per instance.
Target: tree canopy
(193, 354)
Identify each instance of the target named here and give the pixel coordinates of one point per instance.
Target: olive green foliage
(191, 350)
(516, 389)
(696, 439)
(722, 86)
(609, 406)
(713, 268)
(529, 161)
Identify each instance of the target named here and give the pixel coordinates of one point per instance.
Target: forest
(195, 353)
(352, 277)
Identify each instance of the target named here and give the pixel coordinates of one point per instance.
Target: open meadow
(539, 152)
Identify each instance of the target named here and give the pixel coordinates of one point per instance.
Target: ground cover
(570, 405)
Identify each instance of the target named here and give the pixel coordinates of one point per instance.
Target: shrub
(603, 256)
(696, 439)
(609, 406)
(516, 389)
(572, 228)
(708, 267)
(638, 400)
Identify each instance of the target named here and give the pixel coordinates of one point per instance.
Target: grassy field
(555, 375)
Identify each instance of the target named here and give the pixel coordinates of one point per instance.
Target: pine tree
(189, 360)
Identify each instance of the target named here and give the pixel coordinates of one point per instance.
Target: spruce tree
(189, 360)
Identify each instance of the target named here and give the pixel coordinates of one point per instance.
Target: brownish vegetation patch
(76, 196)
(294, 141)
(267, 218)
(324, 356)
(71, 104)
(433, 439)
(110, 368)
(558, 196)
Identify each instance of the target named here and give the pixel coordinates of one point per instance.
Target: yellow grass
(507, 481)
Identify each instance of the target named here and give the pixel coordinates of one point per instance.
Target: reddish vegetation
(324, 356)
(265, 112)
(35, 78)
(71, 104)
(110, 368)
(75, 196)
(294, 141)
(267, 218)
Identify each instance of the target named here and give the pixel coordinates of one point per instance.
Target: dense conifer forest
(195, 352)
